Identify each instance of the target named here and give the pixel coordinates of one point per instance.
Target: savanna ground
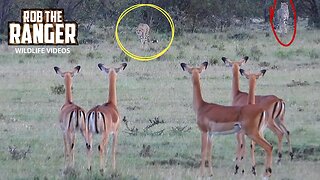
(31, 97)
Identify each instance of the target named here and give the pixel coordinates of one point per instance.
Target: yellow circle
(144, 58)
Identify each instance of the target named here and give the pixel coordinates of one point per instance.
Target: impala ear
(186, 67)
(244, 73)
(261, 73)
(122, 67)
(102, 68)
(226, 61)
(75, 70)
(241, 72)
(243, 60)
(204, 66)
(58, 71)
(183, 66)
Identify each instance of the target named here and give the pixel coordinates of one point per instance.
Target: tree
(6, 7)
(310, 8)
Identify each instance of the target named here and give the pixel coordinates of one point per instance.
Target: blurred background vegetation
(188, 15)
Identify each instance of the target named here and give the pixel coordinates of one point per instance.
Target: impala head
(234, 64)
(193, 70)
(252, 75)
(67, 73)
(109, 70)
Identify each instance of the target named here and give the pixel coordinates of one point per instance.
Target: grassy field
(159, 89)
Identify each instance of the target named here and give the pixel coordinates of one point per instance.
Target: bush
(213, 61)
(241, 51)
(264, 64)
(239, 36)
(313, 54)
(58, 89)
(282, 54)
(219, 46)
(255, 53)
(90, 55)
(181, 55)
(93, 55)
(30, 55)
(73, 57)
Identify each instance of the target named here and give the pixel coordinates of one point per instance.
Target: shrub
(282, 54)
(94, 55)
(73, 57)
(181, 55)
(124, 57)
(30, 55)
(264, 64)
(58, 89)
(219, 46)
(213, 61)
(90, 55)
(239, 36)
(255, 53)
(241, 51)
(313, 54)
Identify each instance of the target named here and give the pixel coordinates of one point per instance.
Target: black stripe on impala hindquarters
(279, 111)
(104, 121)
(70, 119)
(77, 122)
(96, 121)
(274, 109)
(261, 116)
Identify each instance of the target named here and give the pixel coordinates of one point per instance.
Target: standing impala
(71, 118)
(105, 119)
(275, 110)
(268, 103)
(217, 119)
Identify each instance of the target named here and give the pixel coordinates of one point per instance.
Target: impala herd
(249, 115)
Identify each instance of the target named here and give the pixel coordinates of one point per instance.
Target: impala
(71, 118)
(217, 119)
(272, 104)
(105, 119)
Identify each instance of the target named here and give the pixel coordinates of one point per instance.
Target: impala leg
(286, 132)
(243, 152)
(73, 138)
(102, 150)
(66, 151)
(114, 148)
(240, 151)
(89, 150)
(268, 149)
(239, 143)
(253, 160)
(69, 148)
(204, 142)
(277, 130)
(209, 151)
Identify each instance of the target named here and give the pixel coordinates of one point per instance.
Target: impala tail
(263, 121)
(77, 119)
(96, 121)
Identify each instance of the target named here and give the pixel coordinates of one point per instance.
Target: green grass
(29, 109)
